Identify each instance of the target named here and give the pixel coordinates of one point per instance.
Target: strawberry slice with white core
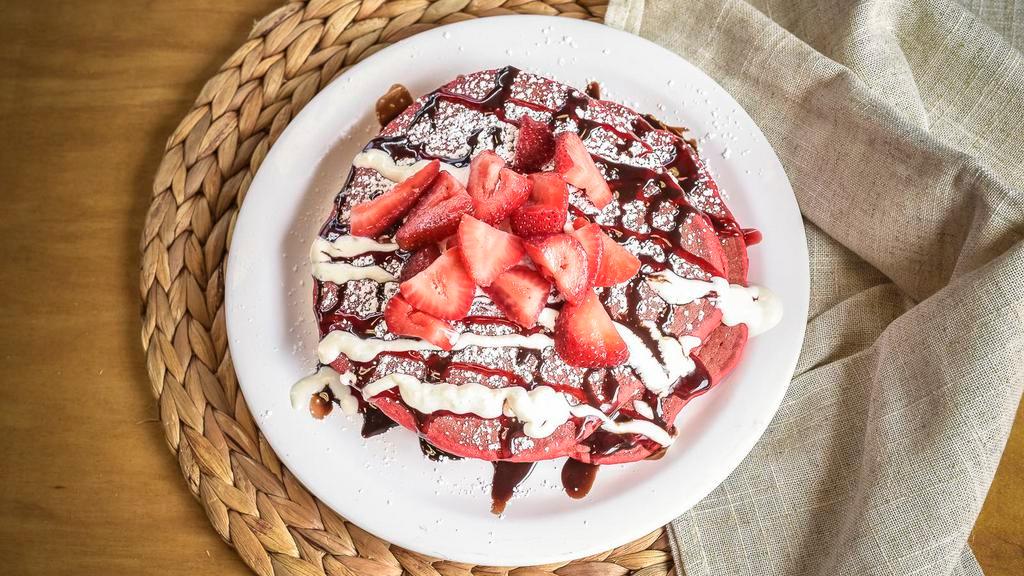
(487, 251)
(373, 217)
(590, 237)
(509, 191)
(585, 335)
(574, 162)
(444, 289)
(521, 294)
(483, 173)
(563, 259)
(437, 215)
(404, 320)
(535, 144)
(496, 191)
(616, 264)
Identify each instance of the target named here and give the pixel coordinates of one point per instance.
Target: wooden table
(90, 92)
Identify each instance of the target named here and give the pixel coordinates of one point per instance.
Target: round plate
(384, 484)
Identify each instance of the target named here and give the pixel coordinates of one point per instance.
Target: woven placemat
(252, 501)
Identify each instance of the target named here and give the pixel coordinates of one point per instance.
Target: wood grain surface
(89, 91)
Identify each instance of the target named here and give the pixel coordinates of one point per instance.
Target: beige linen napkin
(901, 127)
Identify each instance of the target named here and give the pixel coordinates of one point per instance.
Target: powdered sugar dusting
(457, 132)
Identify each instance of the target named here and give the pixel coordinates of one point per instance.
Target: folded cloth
(901, 127)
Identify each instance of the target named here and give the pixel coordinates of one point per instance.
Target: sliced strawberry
(585, 336)
(483, 173)
(590, 237)
(573, 161)
(535, 144)
(443, 289)
(405, 320)
(437, 215)
(419, 261)
(549, 189)
(537, 220)
(616, 264)
(373, 217)
(496, 191)
(510, 191)
(521, 294)
(562, 258)
(547, 209)
(487, 251)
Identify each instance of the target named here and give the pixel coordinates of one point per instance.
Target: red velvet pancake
(665, 209)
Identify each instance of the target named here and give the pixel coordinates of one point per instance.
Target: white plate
(384, 484)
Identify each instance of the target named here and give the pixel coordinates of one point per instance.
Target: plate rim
(657, 518)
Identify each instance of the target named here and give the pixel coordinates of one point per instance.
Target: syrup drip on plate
(507, 475)
(578, 478)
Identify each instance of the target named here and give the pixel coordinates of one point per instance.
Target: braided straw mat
(253, 502)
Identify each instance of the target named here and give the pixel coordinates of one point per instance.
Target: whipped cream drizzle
(340, 342)
(757, 307)
(540, 413)
(326, 377)
(644, 409)
(641, 427)
(348, 247)
(386, 166)
(675, 351)
(326, 270)
(541, 409)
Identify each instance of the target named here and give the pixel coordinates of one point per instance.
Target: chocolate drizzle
(682, 181)
(434, 453)
(375, 422)
(401, 147)
(507, 475)
(578, 478)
